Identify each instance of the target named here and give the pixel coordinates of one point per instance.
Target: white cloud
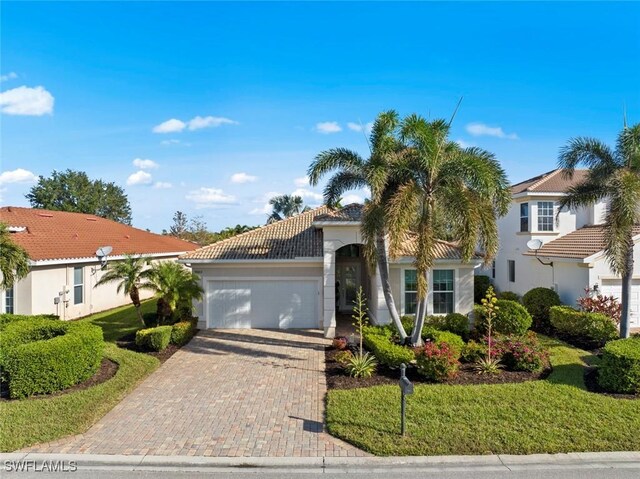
(8, 76)
(328, 127)
(307, 194)
(240, 178)
(265, 210)
(209, 121)
(464, 144)
(480, 129)
(301, 182)
(27, 101)
(169, 142)
(162, 185)
(139, 178)
(170, 126)
(144, 164)
(19, 175)
(209, 197)
(359, 127)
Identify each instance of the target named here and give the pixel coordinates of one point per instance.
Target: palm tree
(614, 175)
(286, 206)
(14, 260)
(351, 171)
(175, 284)
(444, 191)
(132, 277)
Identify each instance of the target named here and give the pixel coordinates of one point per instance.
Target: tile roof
(549, 182)
(53, 235)
(296, 237)
(578, 244)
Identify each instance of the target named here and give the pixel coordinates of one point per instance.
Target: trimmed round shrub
(593, 328)
(6, 318)
(619, 369)
(538, 302)
(481, 284)
(182, 332)
(510, 295)
(379, 340)
(437, 336)
(453, 322)
(154, 339)
(40, 356)
(521, 353)
(511, 318)
(437, 362)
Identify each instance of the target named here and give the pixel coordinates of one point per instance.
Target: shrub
(619, 369)
(453, 322)
(509, 295)
(343, 357)
(340, 342)
(437, 362)
(150, 320)
(511, 318)
(407, 323)
(154, 339)
(607, 305)
(538, 301)
(594, 328)
(182, 332)
(473, 352)
(41, 356)
(454, 341)
(480, 286)
(521, 353)
(361, 365)
(379, 340)
(6, 318)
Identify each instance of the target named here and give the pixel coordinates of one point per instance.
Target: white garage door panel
(278, 304)
(614, 288)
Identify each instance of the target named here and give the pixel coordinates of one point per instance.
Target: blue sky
(258, 89)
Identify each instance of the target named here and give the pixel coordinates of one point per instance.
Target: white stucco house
(64, 267)
(571, 257)
(303, 271)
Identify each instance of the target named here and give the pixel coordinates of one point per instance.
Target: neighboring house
(64, 267)
(301, 271)
(572, 248)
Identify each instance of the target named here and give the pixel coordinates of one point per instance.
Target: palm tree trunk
(383, 268)
(421, 315)
(627, 278)
(134, 294)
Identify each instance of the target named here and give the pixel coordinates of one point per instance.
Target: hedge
(511, 318)
(538, 301)
(41, 356)
(580, 325)
(154, 339)
(6, 318)
(379, 340)
(454, 341)
(619, 369)
(455, 323)
(182, 332)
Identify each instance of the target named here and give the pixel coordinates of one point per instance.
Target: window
(493, 269)
(512, 270)
(545, 215)
(78, 286)
(524, 217)
(443, 293)
(8, 301)
(410, 291)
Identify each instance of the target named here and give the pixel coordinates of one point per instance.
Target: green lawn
(550, 416)
(119, 322)
(31, 421)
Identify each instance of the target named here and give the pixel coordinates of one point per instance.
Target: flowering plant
(597, 303)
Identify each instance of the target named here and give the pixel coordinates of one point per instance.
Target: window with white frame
(410, 291)
(545, 215)
(78, 285)
(511, 266)
(524, 217)
(8, 301)
(443, 291)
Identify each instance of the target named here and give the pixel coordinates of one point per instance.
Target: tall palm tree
(614, 175)
(352, 171)
(444, 190)
(286, 206)
(14, 260)
(132, 275)
(175, 284)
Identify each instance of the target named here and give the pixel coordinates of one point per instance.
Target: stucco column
(329, 299)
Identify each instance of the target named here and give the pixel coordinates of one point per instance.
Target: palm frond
(588, 152)
(334, 159)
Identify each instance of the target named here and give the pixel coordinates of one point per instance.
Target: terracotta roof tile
(351, 212)
(549, 182)
(444, 249)
(63, 235)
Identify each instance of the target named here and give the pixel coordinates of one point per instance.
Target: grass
(119, 322)
(550, 416)
(32, 421)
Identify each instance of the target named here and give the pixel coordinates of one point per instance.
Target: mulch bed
(338, 379)
(129, 342)
(108, 369)
(591, 382)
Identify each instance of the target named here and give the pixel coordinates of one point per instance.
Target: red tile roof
(550, 182)
(60, 235)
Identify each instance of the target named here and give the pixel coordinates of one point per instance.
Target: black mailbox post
(406, 387)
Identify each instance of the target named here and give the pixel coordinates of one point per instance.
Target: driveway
(227, 393)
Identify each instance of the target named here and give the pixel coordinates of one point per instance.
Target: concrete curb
(589, 460)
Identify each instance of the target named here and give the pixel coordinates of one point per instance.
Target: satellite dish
(534, 244)
(103, 251)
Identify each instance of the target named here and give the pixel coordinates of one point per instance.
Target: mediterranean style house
(569, 255)
(64, 267)
(302, 272)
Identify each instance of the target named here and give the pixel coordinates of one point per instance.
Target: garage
(613, 287)
(263, 303)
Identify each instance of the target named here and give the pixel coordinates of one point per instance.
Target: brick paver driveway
(227, 393)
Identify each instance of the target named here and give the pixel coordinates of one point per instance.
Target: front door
(348, 277)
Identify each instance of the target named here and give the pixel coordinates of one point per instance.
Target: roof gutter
(94, 259)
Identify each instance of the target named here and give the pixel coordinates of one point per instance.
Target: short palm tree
(175, 284)
(132, 275)
(286, 206)
(444, 191)
(14, 260)
(614, 175)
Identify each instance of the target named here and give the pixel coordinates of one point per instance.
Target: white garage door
(614, 288)
(250, 303)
